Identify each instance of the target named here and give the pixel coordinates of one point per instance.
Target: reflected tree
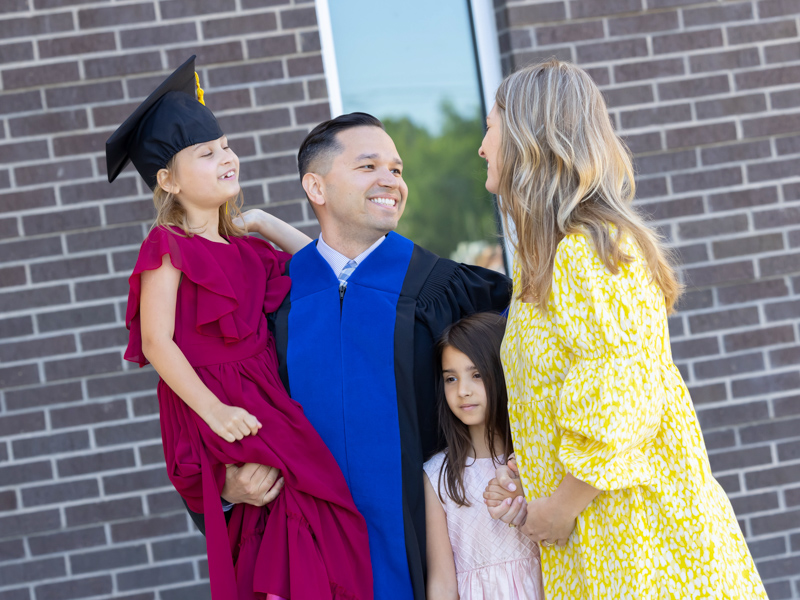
(447, 201)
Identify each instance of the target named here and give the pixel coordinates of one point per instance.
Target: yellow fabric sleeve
(612, 399)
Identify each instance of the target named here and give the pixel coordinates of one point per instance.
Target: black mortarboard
(170, 120)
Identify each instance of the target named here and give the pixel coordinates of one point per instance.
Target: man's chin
(385, 226)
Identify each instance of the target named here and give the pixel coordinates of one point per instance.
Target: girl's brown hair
(564, 170)
(479, 336)
(169, 211)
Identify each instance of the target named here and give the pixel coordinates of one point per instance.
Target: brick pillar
(707, 96)
(86, 510)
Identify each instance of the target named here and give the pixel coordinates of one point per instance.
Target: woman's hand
(494, 494)
(504, 497)
(508, 475)
(506, 484)
(548, 522)
(230, 422)
(510, 511)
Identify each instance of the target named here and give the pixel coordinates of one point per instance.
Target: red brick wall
(85, 506)
(707, 95)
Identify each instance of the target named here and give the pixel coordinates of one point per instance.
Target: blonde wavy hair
(564, 170)
(169, 211)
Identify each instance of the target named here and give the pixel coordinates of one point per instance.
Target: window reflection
(412, 64)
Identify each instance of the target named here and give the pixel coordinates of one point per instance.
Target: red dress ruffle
(311, 543)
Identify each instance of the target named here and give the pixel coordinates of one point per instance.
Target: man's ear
(314, 188)
(167, 182)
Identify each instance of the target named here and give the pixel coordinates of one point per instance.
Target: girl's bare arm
(442, 581)
(286, 237)
(157, 309)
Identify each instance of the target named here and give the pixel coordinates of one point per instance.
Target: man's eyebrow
(374, 155)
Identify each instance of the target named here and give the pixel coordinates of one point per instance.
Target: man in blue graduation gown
(356, 339)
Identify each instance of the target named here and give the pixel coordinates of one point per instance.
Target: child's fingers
(495, 493)
(504, 509)
(252, 424)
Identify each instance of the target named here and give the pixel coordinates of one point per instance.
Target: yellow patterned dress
(593, 391)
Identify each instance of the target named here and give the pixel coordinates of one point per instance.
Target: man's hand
(549, 522)
(251, 484)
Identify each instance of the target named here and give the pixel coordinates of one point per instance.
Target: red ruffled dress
(311, 543)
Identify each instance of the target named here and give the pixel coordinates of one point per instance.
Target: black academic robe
(435, 292)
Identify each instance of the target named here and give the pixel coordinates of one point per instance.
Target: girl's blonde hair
(563, 171)
(169, 211)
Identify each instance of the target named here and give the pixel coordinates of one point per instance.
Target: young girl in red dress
(199, 296)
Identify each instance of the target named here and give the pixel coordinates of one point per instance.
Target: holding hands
(504, 497)
(546, 521)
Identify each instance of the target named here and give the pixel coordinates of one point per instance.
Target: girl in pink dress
(470, 555)
(197, 307)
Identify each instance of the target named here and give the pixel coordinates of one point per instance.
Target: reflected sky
(405, 58)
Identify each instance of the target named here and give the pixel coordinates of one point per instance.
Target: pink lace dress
(493, 560)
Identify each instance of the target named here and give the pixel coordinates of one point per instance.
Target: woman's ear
(167, 182)
(314, 188)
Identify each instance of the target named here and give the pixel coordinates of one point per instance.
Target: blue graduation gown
(363, 368)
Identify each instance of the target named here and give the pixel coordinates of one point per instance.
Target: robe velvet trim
(419, 269)
(341, 368)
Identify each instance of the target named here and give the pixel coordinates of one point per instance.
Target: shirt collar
(337, 260)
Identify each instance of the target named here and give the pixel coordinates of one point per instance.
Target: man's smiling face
(364, 189)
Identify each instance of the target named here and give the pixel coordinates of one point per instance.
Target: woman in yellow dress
(615, 472)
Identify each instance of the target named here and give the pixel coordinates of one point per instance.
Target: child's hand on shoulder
(230, 422)
(252, 220)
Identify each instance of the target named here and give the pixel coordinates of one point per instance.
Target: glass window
(412, 64)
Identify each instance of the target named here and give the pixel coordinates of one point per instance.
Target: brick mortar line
(87, 400)
(160, 47)
(147, 74)
(675, 125)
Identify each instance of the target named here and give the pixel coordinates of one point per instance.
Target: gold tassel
(200, 91)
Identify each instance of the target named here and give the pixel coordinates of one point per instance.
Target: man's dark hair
(322, 139)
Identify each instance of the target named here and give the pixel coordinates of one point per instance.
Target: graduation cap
(169, 120)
